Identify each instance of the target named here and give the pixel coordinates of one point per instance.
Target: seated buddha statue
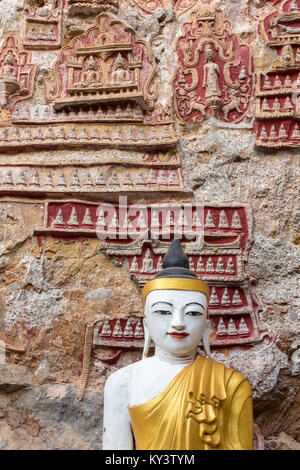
(120, 73)
(9, 69)
(90, 76)
(177, 399)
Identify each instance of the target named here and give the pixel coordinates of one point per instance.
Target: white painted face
(176, 319)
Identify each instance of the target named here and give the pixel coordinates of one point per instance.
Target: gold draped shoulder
(206, 406)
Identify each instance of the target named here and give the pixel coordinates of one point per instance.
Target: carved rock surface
(13, 377)
(58, 285)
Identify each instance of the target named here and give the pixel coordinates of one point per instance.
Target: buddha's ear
(206, 337)
(147, 340)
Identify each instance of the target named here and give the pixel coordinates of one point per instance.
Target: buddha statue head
(176, 304)
(209, 54)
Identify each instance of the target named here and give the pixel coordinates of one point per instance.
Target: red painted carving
(107, 66)
(43, 24)
(140, 236)
(215, 70)
(277, 92)
(16, 73)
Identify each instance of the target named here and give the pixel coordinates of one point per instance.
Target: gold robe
(206, 406)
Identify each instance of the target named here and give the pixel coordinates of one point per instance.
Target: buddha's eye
(194, 314)
(163, 312)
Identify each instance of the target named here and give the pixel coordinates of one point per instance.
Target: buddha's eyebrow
(194, 303)
(161, 302)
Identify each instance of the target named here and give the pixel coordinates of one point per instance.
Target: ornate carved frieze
(17, 75)
(101, 95)
(214, 76)
(37, 179)
(277, 91)
(124, 333)
(88, 7)
(75, 135)
(140, 235)
(43, 28)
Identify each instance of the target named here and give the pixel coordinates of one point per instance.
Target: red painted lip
(178, 335)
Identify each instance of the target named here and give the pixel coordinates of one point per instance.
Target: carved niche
(278, 90)
(107, 66)
(43, 28)
(101, 93)
(88, 7)
(217, 253)
(214, 75)
(16, 73)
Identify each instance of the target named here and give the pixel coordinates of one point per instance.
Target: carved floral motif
(215, 70)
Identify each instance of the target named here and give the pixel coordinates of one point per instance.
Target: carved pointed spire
(236, 299)
(73, 220)
(117, 333)
(220, 266)
(134, 268)
(35, 179)
(210, 265)
(243, 328)
(61, 179)
(200, 265)
(59, 220)
(221, 330)
(127, 180)
(209, 221)
(236, 220)
(231, 330)
(75, 181)
(87, 220)
(230, 266)
(139, 332)
(214, 299)
(223, 222)
(225, 297)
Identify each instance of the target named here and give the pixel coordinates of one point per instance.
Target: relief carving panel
(214, 75)
(277, 91)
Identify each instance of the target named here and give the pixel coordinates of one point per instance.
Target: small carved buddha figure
(90, 76)
(177, 399)
(9, 69)
(211, 74)
(120, 73)
(148, 262)
(287, 56)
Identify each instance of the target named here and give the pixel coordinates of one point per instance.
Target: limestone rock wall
(59, 280)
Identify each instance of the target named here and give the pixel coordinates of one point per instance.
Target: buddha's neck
(175, 359)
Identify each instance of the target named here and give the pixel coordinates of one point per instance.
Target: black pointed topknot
(176, 263)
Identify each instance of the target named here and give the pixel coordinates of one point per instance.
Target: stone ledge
(13, 377)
